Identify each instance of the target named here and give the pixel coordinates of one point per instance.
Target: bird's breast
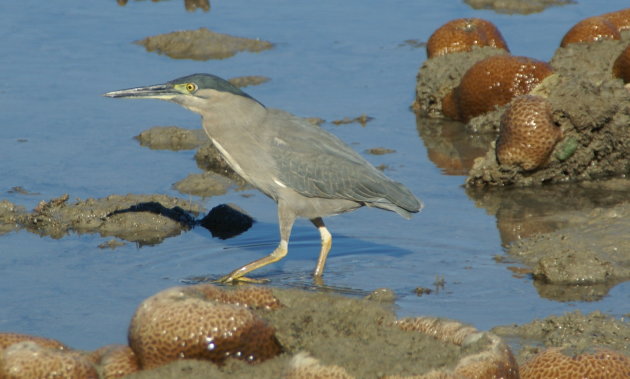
(231, 161)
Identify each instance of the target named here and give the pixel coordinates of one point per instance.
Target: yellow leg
(326, 245)
(286, 219)
(238, 275)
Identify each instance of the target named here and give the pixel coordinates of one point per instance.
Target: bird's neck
(231, 113)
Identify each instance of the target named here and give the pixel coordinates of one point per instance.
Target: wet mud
(363, 339)
(143, 219)
(10, 215)
(358, 335)
(571, 237)
(576, 255)
(575, 331)
(591, 107)
(379, 151)
(205, 184)
(582, 261)
(249, 80)
(201, 44)
(189, 5)
(516, 6)
(362, 120)
(172, 138)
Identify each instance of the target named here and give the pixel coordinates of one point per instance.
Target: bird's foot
(318, 280)
(231, 279)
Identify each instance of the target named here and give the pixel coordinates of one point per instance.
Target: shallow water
(330, 60)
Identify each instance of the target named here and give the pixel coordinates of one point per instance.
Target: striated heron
(307, 171)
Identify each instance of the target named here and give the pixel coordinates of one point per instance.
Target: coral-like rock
(462, 34)
(185, 322)
(8, 339)
(29, 360)
(492, 82)
(250, 297)
(495, 361)
(591, 29)
(116, 361)
(551, 363)
(621, 67)
(527, 134)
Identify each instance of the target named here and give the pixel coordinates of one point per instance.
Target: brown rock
(621, 67)
(620, 19)
(591, 29)
(492, 82)
(462, 34)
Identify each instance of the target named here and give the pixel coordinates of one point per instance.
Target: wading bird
(307, 171)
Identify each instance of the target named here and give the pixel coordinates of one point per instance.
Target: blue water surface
(331, 60)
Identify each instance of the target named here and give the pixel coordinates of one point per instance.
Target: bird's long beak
(160, 91)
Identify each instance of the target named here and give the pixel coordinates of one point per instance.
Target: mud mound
(591, 107)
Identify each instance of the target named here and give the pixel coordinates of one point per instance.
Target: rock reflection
(524, 212)
(573, 236)
(450, 147)
(190, 5)
(565, 293)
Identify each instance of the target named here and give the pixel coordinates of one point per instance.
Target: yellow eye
(191, 87)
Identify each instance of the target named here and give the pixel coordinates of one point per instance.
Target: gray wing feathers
(315, 163)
